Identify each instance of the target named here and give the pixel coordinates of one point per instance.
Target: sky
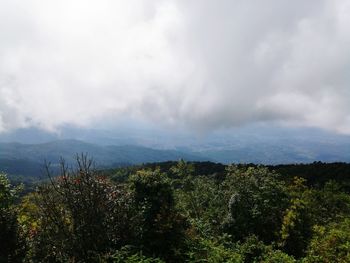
(198, 64)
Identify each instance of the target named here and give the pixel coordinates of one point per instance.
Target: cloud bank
(196, 64)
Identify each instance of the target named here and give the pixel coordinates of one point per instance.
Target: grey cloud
(198, 64)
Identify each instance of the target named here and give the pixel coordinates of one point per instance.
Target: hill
(28, 159)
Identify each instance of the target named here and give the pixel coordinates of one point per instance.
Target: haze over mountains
(23, 151)
(29, 159)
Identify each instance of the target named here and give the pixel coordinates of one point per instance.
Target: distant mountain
(279, 146)
(263, 153)
(134, 144)
(28, 159)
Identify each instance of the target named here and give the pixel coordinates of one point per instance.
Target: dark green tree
(11, 245)
(161, 227)
(257, 203)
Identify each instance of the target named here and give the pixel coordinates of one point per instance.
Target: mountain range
(24, 151)
(29, 159)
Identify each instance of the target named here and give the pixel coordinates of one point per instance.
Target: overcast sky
(197, 64)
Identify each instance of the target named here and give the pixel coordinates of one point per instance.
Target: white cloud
(199, 64)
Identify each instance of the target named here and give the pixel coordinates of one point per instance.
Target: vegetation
(11, 243)
(178, 212)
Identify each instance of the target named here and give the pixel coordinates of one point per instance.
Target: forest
(178, 212)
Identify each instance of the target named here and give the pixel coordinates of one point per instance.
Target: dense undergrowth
(176, 212)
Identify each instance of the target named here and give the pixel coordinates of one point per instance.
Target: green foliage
(175, 214)
(329, 204)
(136, 258)
(183, 169)
(330, 244)
(128, 255)
(29, 219)
(257, 203)
(277, 256)
(8, 193)
(160, 226)
(222, 250)
(10, 240)
(216, 251)
(297, 221)
(200, 198)
(81, 215)
(205, 205)
(254, 250)
(309, 207)
(317, 174)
